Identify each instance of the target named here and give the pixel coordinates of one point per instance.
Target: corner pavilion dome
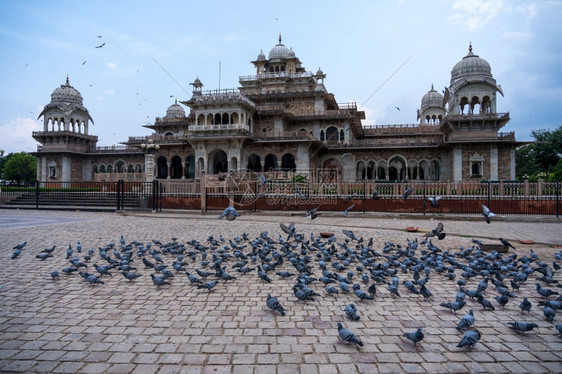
(471, 64)
(66, 94)
(175, 111)
(432, 99)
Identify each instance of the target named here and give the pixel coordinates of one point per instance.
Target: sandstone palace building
(283, 120)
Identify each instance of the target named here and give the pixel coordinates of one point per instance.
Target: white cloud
(476, 13)
(516, 36)
(112, 65)
(16, 135)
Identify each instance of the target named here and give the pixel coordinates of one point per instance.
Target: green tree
(548, 148)
(557, 171)
(525, 161)
(540, 156)
(20, 167)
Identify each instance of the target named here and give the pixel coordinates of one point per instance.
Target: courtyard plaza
(66, 325)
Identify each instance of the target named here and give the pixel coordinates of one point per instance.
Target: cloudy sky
(380, 54)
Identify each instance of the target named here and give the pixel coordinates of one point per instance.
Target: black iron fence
(460, 198)
(109, 196)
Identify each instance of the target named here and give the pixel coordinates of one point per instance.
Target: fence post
(489, 191)
(557, 198)
(36, 194)
(364, 195)
(424, 198)
(154, 195)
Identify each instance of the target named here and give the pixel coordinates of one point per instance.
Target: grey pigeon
(466, 321)
(525, 305)
(407, 193)
(130, 276)
(454, 305)
(545, 292)
(158, 281)
(230, 213)
(487, 213)
(351, 312)
(347, 199)
(415, 336)
(192, 278)
(346, 211)
(348, 336)
(434, 201)
(549, 313)
(273, 304)
(16, 253)
(559, 328)
(54, 274)
(470, 338)
(362, 295)
(312, 213)
(20, 245)
(208, 285)
(375, 195)
(522, 327)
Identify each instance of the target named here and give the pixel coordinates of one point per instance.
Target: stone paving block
(179, 328)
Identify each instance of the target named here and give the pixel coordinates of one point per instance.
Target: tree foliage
(20, 167)
(542, 155)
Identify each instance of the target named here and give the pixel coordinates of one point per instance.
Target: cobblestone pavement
(67, 325)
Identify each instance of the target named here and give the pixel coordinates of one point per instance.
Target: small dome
(261, 56)
(66, 93)
(291, 53)
(175, 111)
(471, 64)
(279, 51)
(432, 99)
(319, 72)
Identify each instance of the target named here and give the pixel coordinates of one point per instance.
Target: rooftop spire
(67, 82)
(279, 38)
(470, 47)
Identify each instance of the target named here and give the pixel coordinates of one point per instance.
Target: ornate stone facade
(283, 119)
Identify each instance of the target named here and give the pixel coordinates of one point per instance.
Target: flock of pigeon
(352, 269)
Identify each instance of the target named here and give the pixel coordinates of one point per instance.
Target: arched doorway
(270, 162)
(220, 162)
(332, 135)
(397, 168)
(161, 167)
(190, 167)
(177, 169)
(331, 171)
(254, 163)
(288, 162)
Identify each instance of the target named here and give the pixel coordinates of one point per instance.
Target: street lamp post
(149, 150)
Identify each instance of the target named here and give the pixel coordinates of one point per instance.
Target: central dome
(67, 94)
(471, 64)
(280, 51)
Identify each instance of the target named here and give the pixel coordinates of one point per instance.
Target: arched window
(220, 162)
(110, 168)
(332, 134)
(176, 171)
(119, 167)
(254, 163)
(161, 167)
(475, 168)
(130, 168)
(218, 119)
(103, 169)
(288, 162)
(270, 162)
(225, 120)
